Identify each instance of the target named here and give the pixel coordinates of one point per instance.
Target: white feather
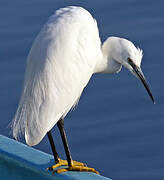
(58, 68)
(61, 61)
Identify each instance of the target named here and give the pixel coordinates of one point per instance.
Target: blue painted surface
(20, 162)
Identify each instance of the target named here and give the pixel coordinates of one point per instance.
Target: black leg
(56, 157)
(60, 125)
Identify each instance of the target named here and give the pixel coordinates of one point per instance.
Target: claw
(76, 166)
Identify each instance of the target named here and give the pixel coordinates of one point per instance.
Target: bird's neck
(106, 62)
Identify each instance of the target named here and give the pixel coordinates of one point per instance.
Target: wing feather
(59, 66)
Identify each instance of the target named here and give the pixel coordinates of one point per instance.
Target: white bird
(63, 57)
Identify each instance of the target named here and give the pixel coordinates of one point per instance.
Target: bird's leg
(72, 165)
(59, 162)
(55, 154)
(60, 125)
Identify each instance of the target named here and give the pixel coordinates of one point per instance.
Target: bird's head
(123, 52)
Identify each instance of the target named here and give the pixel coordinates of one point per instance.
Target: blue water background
(115, 128)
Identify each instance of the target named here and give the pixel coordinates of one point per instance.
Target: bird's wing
(59, 66)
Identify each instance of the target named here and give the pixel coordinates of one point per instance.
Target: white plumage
(61, 61)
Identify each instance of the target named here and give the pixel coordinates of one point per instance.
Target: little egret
(63, 57)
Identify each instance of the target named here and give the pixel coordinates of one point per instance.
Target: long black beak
(137, 70)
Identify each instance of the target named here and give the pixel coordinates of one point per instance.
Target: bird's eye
(129, 60)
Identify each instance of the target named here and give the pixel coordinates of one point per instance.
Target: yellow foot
(76, 166)
(65, 163)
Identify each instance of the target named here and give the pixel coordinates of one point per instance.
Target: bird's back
(59, 66)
